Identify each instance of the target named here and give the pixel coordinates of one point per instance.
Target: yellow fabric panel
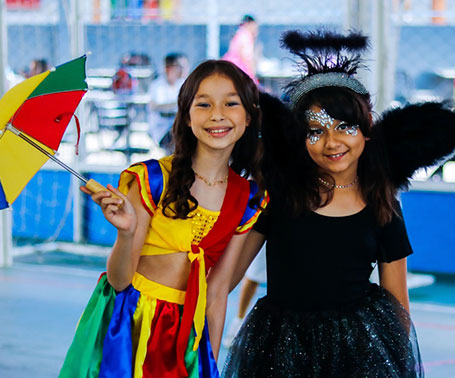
(14, 98)
(157, 290)
(142, 319)
(167, 235)
(19, 163)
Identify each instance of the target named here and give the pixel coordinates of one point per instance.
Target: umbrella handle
(95, 187)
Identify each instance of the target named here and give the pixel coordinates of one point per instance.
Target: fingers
(103, 197)
(85, 190)
(116, 191)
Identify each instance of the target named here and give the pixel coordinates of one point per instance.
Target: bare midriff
(171, 270)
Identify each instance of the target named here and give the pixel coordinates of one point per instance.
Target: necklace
(209, 183)
(329, 185)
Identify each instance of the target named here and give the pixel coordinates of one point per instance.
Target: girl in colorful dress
(333, 216)
(175, 218)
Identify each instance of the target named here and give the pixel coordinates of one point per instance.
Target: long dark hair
(247, 152)
(375, 185)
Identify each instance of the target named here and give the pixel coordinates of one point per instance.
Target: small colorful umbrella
(33, 118)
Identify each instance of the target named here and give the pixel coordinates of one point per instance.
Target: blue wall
(47, 200)
(42, 205)
(97, 229)
(430, 222)
(429, 218)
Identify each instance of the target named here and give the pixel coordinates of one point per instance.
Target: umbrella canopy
(38, 109)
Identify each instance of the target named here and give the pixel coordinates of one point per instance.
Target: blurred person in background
(163, 94)
(36, 67)
(241, 50)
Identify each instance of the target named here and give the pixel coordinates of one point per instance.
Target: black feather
(323, 40)
(324, 51)
(416, 136)
(280, 130)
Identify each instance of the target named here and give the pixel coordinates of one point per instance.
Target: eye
(202, 105)
(314, 135)
(232, 103)
(315, 131)
(348, 129)
(343, 126)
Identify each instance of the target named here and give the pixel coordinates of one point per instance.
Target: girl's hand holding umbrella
(116, 207)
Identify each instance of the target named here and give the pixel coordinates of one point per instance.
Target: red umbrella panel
(46, 112)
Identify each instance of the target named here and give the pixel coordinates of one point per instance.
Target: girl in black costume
(333, 177)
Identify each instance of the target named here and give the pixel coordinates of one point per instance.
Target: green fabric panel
(86, 351)
(69, 76)
(192, 358)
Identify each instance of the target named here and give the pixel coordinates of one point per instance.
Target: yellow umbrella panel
(19, 162)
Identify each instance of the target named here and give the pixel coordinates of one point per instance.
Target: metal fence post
(6, 234)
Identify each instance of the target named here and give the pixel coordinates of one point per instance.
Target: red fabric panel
(186, 323)
(237, 196)
(162, 347)
(214, 243)
(46, 117)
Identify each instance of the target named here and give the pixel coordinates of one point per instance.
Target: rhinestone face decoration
(324, 119)
(314, 135)
(352, 130)
(313, 138)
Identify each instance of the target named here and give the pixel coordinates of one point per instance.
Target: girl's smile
(336, 157)
(218, 132)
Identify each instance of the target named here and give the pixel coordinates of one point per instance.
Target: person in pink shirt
(241, 50)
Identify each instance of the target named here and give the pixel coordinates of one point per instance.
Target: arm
(235, 258)
(392, 277)
(253, 244)
(132, 222)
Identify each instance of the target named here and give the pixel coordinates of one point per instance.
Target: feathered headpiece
(413, 137)
(328, 59)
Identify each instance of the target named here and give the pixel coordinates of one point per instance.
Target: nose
(331, 139)
(217, 113)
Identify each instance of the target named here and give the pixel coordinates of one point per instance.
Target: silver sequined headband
(329, 79)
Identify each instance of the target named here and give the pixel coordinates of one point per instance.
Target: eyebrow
(203, 95)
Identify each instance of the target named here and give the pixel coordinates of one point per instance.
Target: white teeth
(337, 155)
(218, 131)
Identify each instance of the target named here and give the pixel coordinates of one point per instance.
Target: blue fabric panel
(249, 212)
(155, 176)
(117, 348)
(207, 363)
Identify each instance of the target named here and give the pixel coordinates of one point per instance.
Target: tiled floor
(42, 301)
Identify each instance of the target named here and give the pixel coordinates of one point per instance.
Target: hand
(123, 218)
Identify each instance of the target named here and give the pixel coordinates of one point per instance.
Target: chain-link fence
(135, 36)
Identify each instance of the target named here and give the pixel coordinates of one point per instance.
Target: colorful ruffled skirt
(133, 333)
(371, 338)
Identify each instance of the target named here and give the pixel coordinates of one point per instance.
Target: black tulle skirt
(372, 338)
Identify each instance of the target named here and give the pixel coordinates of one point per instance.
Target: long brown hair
(375, 185)
(247, 152)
